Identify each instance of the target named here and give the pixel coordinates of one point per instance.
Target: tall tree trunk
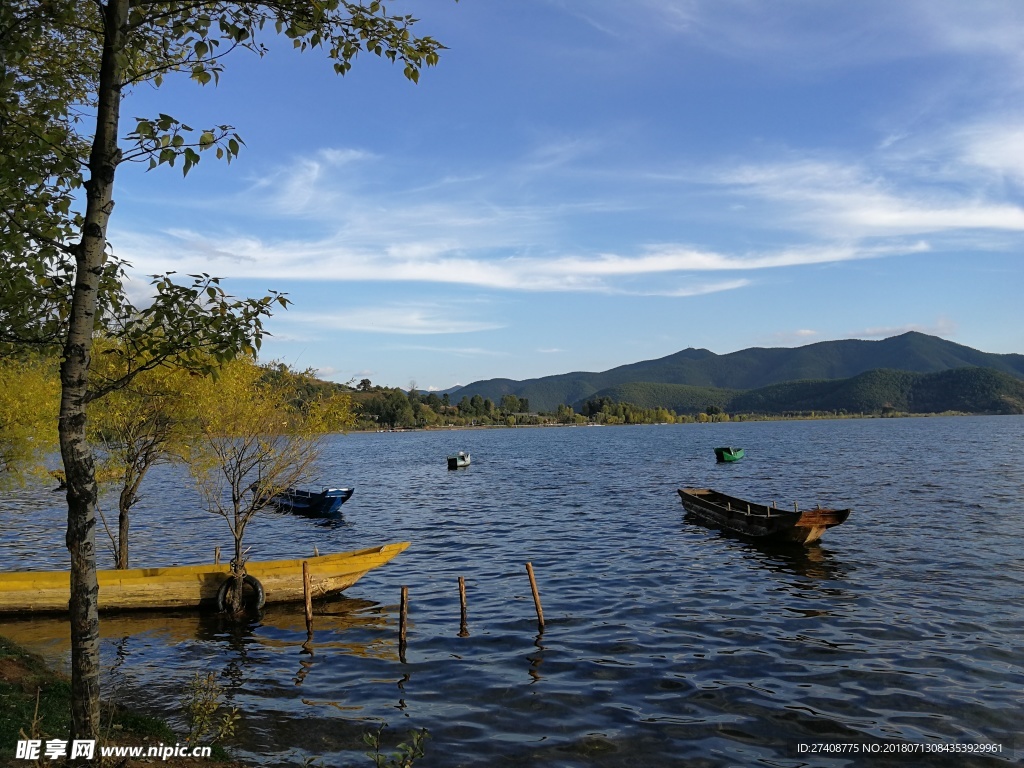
(121, 558)
(76, 453)
(236, 594)
(128, 497)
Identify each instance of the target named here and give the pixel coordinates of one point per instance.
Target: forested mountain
(967, 390)
(749, 369)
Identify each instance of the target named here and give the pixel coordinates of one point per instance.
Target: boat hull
(457, 462)
(728, 454)
(758, 521)
(326, 503)
(191, 586)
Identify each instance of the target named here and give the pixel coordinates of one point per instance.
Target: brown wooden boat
(191, 586)
(759, 521)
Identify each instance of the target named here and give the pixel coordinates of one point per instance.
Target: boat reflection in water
(812, 561)
(346, 625)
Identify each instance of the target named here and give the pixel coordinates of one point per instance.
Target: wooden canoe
(759, 521)
(191, 586)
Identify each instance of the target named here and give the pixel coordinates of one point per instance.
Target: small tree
(29, 399)
(250, 442)
(135, 428)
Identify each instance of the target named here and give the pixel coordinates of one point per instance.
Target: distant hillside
(680, 398)
(752, 369)
(966, 390)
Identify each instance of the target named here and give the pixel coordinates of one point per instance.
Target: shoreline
(37, 706)
(737, 419)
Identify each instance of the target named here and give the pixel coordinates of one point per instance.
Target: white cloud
(854, 202)
(943, 326)
(397, 319)
(997, 148)
(457, 351)
(795, 338)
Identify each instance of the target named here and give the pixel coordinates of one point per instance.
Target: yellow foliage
(29, 404)
(250, 440)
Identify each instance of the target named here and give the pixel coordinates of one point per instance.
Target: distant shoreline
(737, 419)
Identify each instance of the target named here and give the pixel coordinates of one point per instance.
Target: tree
(136, 427)
(391, 407)
(476, 404)
(29, 398)
(249, 443)
(509, 404)
(59, 282)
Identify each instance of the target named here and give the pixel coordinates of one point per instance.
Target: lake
(666, 643)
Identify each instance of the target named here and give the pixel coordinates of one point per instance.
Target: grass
(35, 702)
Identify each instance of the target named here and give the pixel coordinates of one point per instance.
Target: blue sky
(583, 184)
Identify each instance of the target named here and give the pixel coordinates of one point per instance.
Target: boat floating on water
(192, 586)
(759, 521)
(325, 503)
(461, 459)
(726, 453)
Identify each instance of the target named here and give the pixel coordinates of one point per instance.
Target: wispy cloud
(813, 36)
(456, 351)
(851, 201)
(795, 338)
(369, 223)
(943, 326)
(394, 319)
(438, 262)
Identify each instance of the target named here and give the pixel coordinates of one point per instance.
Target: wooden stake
(463, 628)
(536, 595)
(403, 618)
(307, 593)
(795, 507)
(216, 556)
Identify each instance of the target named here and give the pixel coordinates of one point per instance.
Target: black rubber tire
(252, 581)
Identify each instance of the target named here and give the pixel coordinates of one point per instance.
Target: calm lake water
(666, 643)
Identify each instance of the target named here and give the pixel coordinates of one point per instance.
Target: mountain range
(825, 375)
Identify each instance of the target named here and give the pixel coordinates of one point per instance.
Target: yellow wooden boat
(191, 586)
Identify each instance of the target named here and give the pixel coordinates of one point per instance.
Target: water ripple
(665, 643)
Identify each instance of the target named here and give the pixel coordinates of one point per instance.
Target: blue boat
(325, 503)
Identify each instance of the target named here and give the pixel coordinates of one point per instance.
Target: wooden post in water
(796, 508)
(536, 596)
(307, 594)
(403, 618)
(216, 555)
(463, 628)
